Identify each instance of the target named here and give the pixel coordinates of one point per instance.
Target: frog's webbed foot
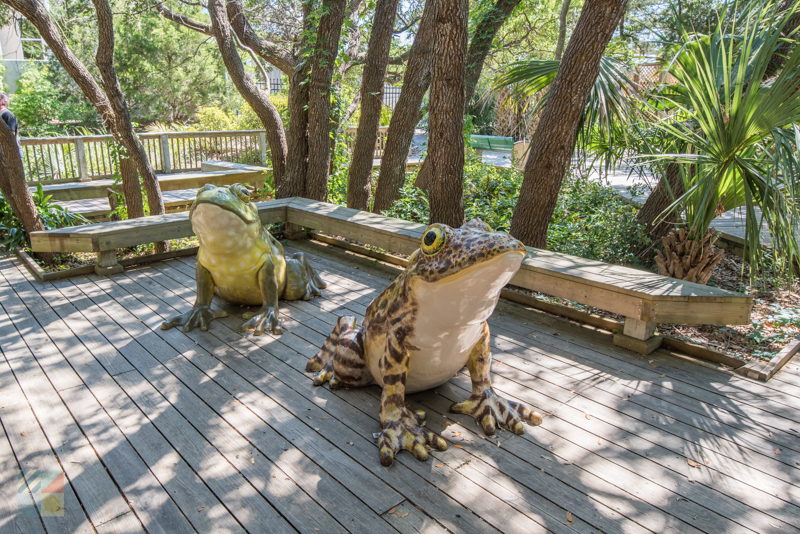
(302, 279)
(340, 361)
(407, 433)
(266, 317)
(313, 289)
(490, 410)
(197, 317)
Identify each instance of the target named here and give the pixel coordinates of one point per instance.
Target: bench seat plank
(168, 182)
(636, 294)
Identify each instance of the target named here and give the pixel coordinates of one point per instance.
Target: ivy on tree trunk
(319, 98)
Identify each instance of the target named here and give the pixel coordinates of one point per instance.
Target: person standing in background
(10, 119)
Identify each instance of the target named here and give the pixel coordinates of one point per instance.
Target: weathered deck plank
(493, 507)
(712, 500)
(788, 492)
(230, 431)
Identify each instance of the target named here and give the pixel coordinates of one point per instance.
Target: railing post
(80, 152)
(262, 145)
(166, 160)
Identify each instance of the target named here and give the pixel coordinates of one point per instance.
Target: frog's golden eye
(242, 192)
(433, 239)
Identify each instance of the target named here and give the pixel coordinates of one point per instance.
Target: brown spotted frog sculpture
(239, 260)
(421, 330)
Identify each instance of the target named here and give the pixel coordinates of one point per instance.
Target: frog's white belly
(450, 317)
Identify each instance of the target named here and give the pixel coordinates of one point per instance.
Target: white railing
(84, 158)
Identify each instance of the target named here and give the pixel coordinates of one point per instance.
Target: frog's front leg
(267, 316)
(201, 313)
(484, 404)
(401, 429)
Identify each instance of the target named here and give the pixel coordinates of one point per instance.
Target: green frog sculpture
(422, 329)
(240, 261)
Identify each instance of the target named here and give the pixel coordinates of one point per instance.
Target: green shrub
(247, 119)
(210, 118)
(36, 103)
(13, 236)
(594, 221)
(590, 220)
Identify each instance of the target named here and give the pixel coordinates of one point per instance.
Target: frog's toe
(326, 374)
(198, 317)
(257, 323)
(407, 435)
(492, 411)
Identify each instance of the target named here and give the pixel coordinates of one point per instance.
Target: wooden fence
(83, 158)
(69, 159)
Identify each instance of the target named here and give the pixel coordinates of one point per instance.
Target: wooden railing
(380, 142)
(83, 158)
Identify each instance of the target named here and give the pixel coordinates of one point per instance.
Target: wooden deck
(161, 431)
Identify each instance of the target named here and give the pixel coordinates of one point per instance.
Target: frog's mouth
(219, 229)
(491, 274)
(221, 200)
(470, 295)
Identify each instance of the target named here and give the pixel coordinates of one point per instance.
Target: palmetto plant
(736, 133)
(608, 108)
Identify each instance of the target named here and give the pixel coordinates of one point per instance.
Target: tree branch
(261, 46)
(183, 20)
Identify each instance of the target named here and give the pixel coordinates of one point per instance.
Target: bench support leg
(294, 231)
(107, 263)
(638, 336)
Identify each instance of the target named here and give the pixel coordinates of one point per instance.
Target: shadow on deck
(162, 431)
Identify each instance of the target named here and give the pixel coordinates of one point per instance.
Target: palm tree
(737, 139)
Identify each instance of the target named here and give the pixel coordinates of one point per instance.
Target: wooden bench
(491, 142)
(213, 173)
(643, 298)
(92, 199)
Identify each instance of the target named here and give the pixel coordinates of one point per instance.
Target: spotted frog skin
(239, 260)
(421, 330)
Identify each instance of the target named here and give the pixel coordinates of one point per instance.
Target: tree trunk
(689, 259)
(124, 127)
(258, 100)
(319, 119)
(562, 29)
(14, 187)
(372, 81)
(554, 141)
(406, 112)
(485, 30)
(669, 187)
(297, 158)
(481, 43)
(131, 190)
(446, 115)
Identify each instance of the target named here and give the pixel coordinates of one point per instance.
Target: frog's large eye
(433, 239)
(242, 192)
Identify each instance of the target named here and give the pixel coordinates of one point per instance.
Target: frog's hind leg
(484, 404)
(340, 362)
(303, 281)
